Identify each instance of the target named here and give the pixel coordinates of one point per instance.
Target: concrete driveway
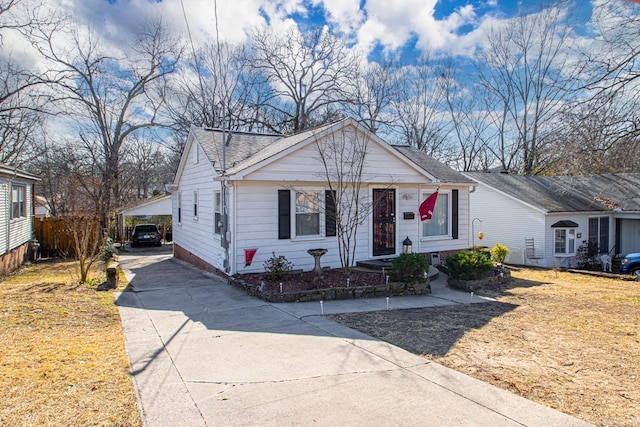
(205, 353)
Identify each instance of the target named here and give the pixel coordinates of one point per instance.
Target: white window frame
(196, 154)
(569, 243)
(321, 214)
(217, 213)
(19, 206)
(449, 235)
(195, 205)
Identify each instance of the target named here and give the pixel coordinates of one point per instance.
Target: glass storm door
(384, 222)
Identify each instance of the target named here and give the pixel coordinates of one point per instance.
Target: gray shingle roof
(278, 146)
(10, 171)
(242, 145)
(248, 149)
(434, 167)
(569, 193)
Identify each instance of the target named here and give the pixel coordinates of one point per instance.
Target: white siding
(630, 236)
(582, 235)
(253, 210)
(5, 201)
(197, 235)
(381, 166)
(508, 222)
(256, 227)
(20, 229)
(256, 206)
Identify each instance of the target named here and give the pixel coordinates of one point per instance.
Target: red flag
(426, 207)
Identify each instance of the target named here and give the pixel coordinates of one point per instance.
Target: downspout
(225, 235)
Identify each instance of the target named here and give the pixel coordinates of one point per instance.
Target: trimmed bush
(469, 265)
(276, 267)
(499, 253)
(409, 268)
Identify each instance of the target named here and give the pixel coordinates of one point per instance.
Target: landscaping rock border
(336, 293)
(499, 277)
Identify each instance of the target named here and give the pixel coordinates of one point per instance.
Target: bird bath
(316, 254)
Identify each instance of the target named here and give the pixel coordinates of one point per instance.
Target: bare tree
(611, 65)
(421, 110)
(86, 241)
(144, 161)
(307, 73)
(372, 93)
(469, 122)
(21, 101)
(598, 137)
(343, 157)
(20, 133)
(523, 74)
(110, 98)
(217, 88)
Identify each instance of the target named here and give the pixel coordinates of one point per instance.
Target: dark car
(631, 265)
(145, 234)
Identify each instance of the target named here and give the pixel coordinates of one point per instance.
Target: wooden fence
(55, 235)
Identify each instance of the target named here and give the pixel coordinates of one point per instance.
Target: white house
(277, 195)
(16, 213)
(558, 213)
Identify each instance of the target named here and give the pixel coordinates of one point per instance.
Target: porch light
(406, 245)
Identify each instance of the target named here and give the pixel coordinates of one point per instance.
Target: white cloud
(346, 15)
(392, 24)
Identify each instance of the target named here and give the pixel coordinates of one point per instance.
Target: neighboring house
(279, 201)
(559, 213)
(16, 213)
(160, 205)
(42, 209)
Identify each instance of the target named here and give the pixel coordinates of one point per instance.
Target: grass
(568, 341)
(62, 357)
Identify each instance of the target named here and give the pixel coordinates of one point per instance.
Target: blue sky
(399, 26)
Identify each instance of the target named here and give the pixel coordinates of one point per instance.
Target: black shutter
(454, 214)
(284, 214)
(330, 213)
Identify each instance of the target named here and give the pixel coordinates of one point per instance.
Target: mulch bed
(307, 280)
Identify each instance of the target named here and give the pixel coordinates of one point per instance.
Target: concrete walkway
(204, 353)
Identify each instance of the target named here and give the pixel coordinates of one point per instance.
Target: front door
(384, 222)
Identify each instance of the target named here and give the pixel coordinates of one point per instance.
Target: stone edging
(338, 293)
(474, 285)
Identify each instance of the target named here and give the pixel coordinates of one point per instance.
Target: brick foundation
(15, 258)
(184, 255)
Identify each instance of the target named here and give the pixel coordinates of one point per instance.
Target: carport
(154, 206)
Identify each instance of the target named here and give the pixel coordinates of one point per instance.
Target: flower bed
(332, 285)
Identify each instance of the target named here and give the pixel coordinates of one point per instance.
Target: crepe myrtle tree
(343, 156)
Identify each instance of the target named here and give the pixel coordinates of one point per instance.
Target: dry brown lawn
(568, 341)
(62, 355)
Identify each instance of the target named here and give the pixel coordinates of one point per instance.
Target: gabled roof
(439, 170)
(246, 150)
(586, 193)
(242, 145)
(280, 145)
(141, 204)
(10, 171)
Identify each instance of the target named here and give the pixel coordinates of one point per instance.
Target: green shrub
(276, 267)
(409, 268)
(469, 265)
(499, 253)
